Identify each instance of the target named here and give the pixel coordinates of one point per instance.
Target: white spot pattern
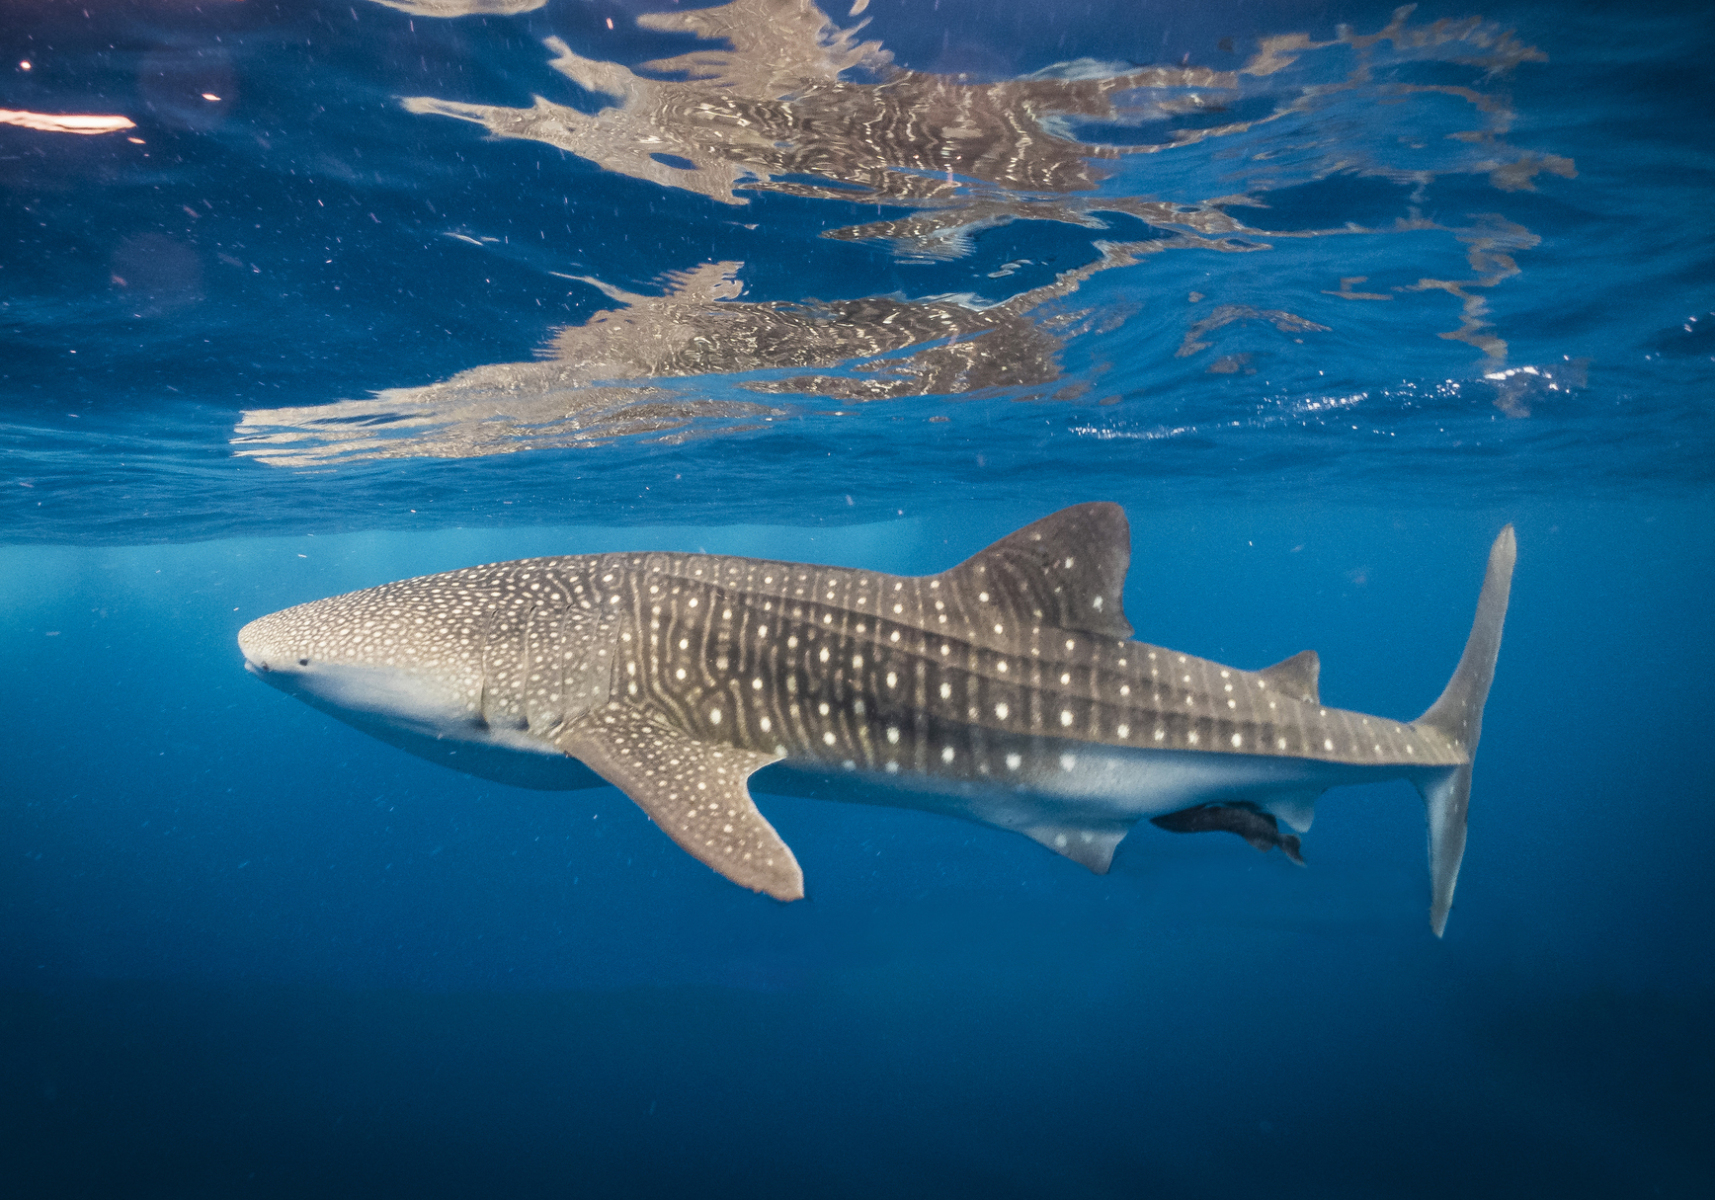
(542, 646)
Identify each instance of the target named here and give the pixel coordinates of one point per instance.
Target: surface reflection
(781, 99)
(602, 379)
(800, 107)
(775, 97)
(463, 8)
(86, 123)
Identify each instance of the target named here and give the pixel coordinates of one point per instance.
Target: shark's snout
(265, 652)
(250, 644)
(325, 654)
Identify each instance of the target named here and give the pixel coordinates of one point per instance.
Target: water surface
(303, 297)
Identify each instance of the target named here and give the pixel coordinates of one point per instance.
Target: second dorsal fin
(1296, 676)
(1066, 570)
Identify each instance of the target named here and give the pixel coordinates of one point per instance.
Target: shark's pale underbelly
(1060, 779)
(1076, 782)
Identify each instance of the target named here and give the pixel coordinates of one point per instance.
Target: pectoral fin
(694, 790)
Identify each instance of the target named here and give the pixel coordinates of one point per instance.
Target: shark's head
(367, 658)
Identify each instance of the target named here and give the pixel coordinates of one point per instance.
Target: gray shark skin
(1007, 690)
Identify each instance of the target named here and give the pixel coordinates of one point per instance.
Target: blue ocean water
(322, 295)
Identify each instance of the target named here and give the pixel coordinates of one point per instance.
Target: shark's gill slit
(481, 715)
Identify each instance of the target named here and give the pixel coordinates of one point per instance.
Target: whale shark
(1008, 690)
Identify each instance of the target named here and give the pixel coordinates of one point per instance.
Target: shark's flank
(1007, 690)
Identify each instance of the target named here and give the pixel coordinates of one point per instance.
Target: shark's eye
(303, 662)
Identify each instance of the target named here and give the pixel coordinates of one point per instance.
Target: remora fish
(1006, 690)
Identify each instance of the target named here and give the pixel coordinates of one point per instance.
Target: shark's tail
(1458, 717)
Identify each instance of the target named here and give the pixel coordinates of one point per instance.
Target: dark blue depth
(1335, 328)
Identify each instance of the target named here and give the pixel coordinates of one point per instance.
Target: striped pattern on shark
(1007, 690)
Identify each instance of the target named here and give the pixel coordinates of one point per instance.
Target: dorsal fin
(1066, 570)
(1296, 676)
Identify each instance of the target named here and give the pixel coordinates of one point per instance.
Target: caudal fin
(1458, 717)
